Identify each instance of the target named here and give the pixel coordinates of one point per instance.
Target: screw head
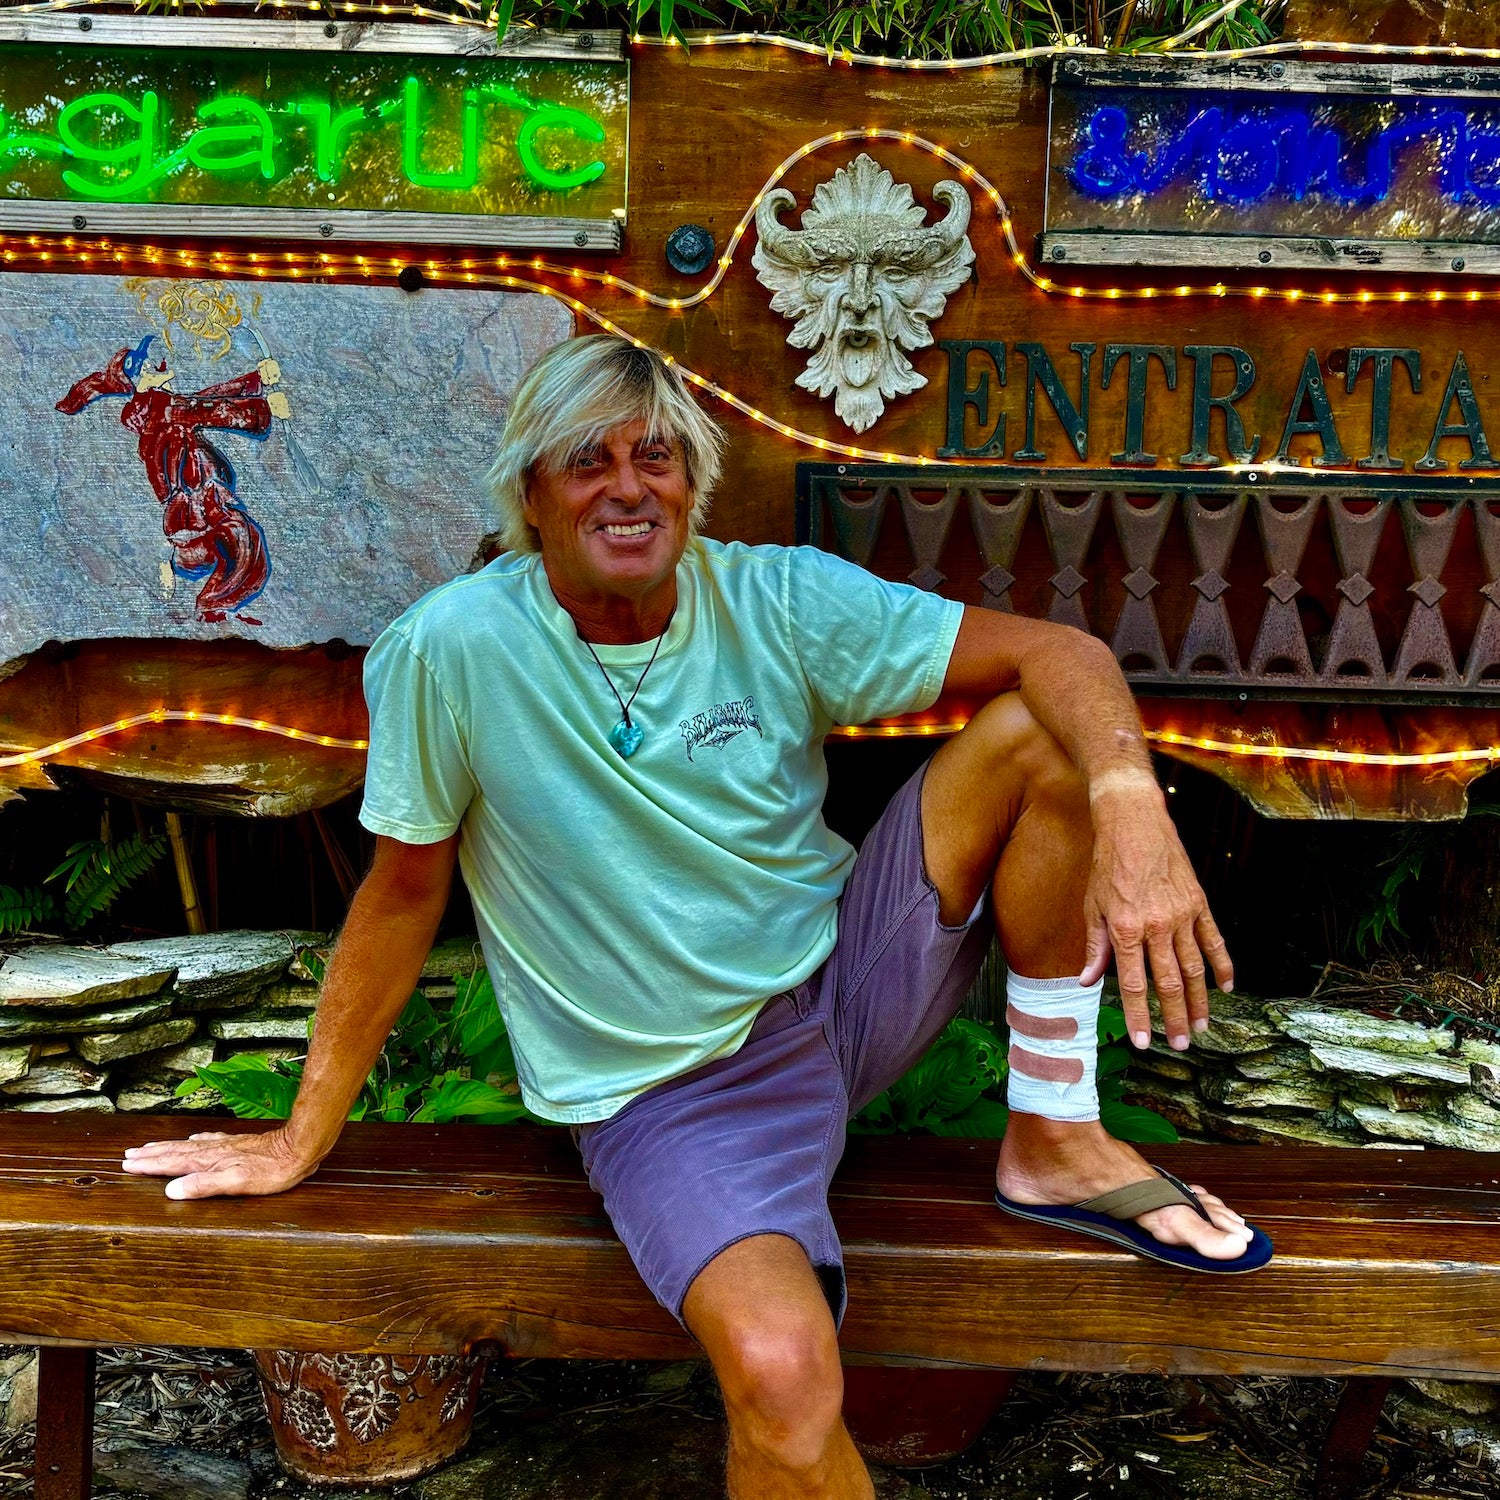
(410, 278)
(325, 230)
(690, 249)
(581, 239)
(85, 23)
(1059, 253)
(79, 222)
(1264, 257)
(1457, 263)
(1278, 70)
(585, 41)
(330, 30)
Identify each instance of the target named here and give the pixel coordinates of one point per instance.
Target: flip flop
(1111, 1217)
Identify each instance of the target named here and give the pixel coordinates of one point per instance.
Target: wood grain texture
(427, 1239)
(1405, 23)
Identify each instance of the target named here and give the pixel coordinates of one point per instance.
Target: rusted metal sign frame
(55, 215)
(1195, 246)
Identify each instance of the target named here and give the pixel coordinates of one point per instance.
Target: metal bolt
(1059, 253)
(330, 30)
(85, 23)
(1244, 697)
(581, 239)
(1278, 70)
(79, 222)
(1264, 257)
(325, 230)
(585, 40)
(1457, 263)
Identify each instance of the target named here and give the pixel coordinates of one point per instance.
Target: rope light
(1235, 748)
(177, 716)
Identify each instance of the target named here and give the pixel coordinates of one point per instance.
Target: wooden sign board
(1270, 163)
(272, 462)
(301, 130)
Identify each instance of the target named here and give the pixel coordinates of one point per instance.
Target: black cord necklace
(626, 736)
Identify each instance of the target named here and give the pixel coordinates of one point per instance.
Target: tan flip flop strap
(1139, 1198)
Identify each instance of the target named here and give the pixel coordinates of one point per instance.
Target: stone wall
(1292, 1070)
(119, 1027)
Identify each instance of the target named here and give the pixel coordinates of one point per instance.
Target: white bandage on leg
(1054, 1045)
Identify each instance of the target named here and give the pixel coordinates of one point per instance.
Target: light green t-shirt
(636, 914)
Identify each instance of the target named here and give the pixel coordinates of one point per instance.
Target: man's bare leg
(759, 1311)
(1003, 806)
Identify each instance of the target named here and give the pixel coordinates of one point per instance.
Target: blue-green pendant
(626, 738)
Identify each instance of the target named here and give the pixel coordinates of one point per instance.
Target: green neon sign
(343, 131)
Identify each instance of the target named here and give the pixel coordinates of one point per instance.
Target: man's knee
(783, 1386)
(1010, 738)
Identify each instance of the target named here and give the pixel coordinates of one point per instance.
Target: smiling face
(612, 526)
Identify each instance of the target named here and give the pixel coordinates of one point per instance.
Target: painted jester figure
(214, 539)
(698, 976)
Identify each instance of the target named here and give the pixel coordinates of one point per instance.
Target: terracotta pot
(362, 1419)
(906, 1417)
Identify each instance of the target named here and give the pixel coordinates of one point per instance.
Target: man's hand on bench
(212, 1164)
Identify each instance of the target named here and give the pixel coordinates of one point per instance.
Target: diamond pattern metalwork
(1210, 585)
(1284, 587)
(1067, 581)
(1341, 612)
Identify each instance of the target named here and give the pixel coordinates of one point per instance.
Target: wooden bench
(419, 1239)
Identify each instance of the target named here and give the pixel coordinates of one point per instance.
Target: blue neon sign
(1243, 155)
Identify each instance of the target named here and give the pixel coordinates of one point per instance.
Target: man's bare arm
(1144, 900)
(376, 963)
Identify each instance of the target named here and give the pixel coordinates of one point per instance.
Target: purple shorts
(748, 1144)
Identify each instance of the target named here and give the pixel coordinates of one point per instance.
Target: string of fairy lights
(479, 17)
(504, 271)
(1172, 739)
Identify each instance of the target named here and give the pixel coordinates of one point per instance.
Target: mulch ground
(1058, 1438)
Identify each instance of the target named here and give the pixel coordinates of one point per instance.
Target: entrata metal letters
(976, 426)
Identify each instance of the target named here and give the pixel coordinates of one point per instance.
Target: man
(617, 728)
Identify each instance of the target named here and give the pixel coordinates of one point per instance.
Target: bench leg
(65, 1425)
(1349, 1434)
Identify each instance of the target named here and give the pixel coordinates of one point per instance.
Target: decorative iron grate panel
(1316, 586)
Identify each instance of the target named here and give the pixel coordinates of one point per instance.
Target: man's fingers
(1096, 954)
(208, 1184)
(1190, 966)
(1130, 965)
(1211, 942)
(1169, 987)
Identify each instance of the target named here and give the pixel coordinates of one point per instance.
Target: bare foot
(1057, 1162)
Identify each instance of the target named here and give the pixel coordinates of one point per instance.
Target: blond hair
(571, 397)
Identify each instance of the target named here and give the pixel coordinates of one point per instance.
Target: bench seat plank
(417, 1238)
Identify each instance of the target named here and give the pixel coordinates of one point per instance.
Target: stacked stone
(120, 1027)
(1292, 1070)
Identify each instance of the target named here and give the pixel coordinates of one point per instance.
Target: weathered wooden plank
(599, 45)
(448, 1237)
(1394, 23)
(1264, 253)
(65, 1425)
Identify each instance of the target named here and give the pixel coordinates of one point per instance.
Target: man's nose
(629, 484)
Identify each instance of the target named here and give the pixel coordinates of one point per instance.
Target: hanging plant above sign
(297, 130)
(1265, 164)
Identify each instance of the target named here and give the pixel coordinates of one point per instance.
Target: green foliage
(444, 1060)
(96, 873)
(958, 1088)
(906, 28)
(93, 874)
(24, 907)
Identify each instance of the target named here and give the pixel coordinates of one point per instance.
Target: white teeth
(639, 529)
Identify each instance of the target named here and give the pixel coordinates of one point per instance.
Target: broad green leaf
(1129, 1122)
(985, 1119)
